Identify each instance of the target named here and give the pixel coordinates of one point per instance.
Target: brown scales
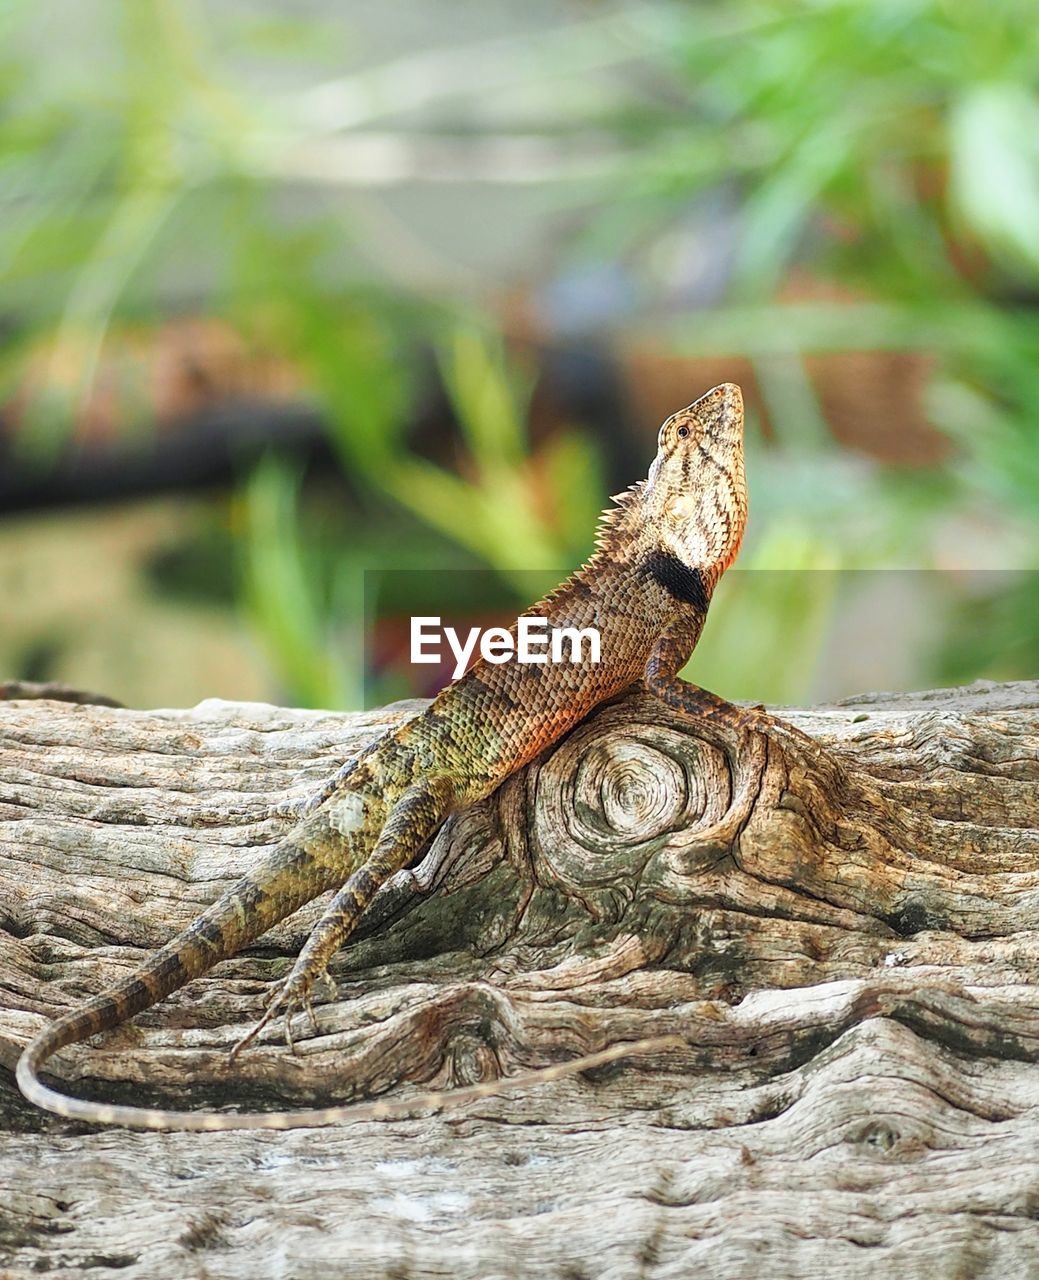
(659, 553)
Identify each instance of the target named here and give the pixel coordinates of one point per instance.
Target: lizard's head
(696, 494)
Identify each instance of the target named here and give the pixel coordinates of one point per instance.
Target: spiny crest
(607, 544)
(612, 516)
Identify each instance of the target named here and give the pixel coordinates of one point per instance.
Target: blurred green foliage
(303, 588)
(156, 155)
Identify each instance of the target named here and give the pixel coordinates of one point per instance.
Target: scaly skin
(659, 554)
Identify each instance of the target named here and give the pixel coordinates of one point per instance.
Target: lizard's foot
(701, 704)
(755, 717)
(760, 720)
(285, 998)
(297, 807)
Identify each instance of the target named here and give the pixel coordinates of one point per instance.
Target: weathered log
(838, 916)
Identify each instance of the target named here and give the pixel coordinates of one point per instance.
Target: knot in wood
(628, 790)
(613, 794)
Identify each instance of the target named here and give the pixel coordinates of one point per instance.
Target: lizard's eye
(683, 432)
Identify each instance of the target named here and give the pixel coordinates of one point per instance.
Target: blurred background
(311, 310)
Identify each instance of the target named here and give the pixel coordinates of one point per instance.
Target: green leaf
(994, 170)
(279, 589)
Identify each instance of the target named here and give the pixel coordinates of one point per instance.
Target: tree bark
(836, 911)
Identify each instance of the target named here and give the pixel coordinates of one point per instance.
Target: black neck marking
(677, 579)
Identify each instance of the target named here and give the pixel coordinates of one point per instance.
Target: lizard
(659, 552)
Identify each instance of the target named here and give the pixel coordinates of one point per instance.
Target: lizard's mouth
(725, 424)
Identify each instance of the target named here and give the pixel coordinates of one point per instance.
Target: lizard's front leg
(411, 822)
(661, 679)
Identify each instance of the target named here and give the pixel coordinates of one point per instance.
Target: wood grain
(839, 917)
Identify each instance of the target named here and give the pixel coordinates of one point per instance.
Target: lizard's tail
(292, 877)
(241, 915)
(76, 1026)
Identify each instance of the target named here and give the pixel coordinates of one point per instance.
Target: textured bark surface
(839, 917)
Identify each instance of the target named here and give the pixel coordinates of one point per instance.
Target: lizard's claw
(249, 1037)
(298, 807)
(285, 998)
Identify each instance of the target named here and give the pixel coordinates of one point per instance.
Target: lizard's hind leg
(411, 822)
